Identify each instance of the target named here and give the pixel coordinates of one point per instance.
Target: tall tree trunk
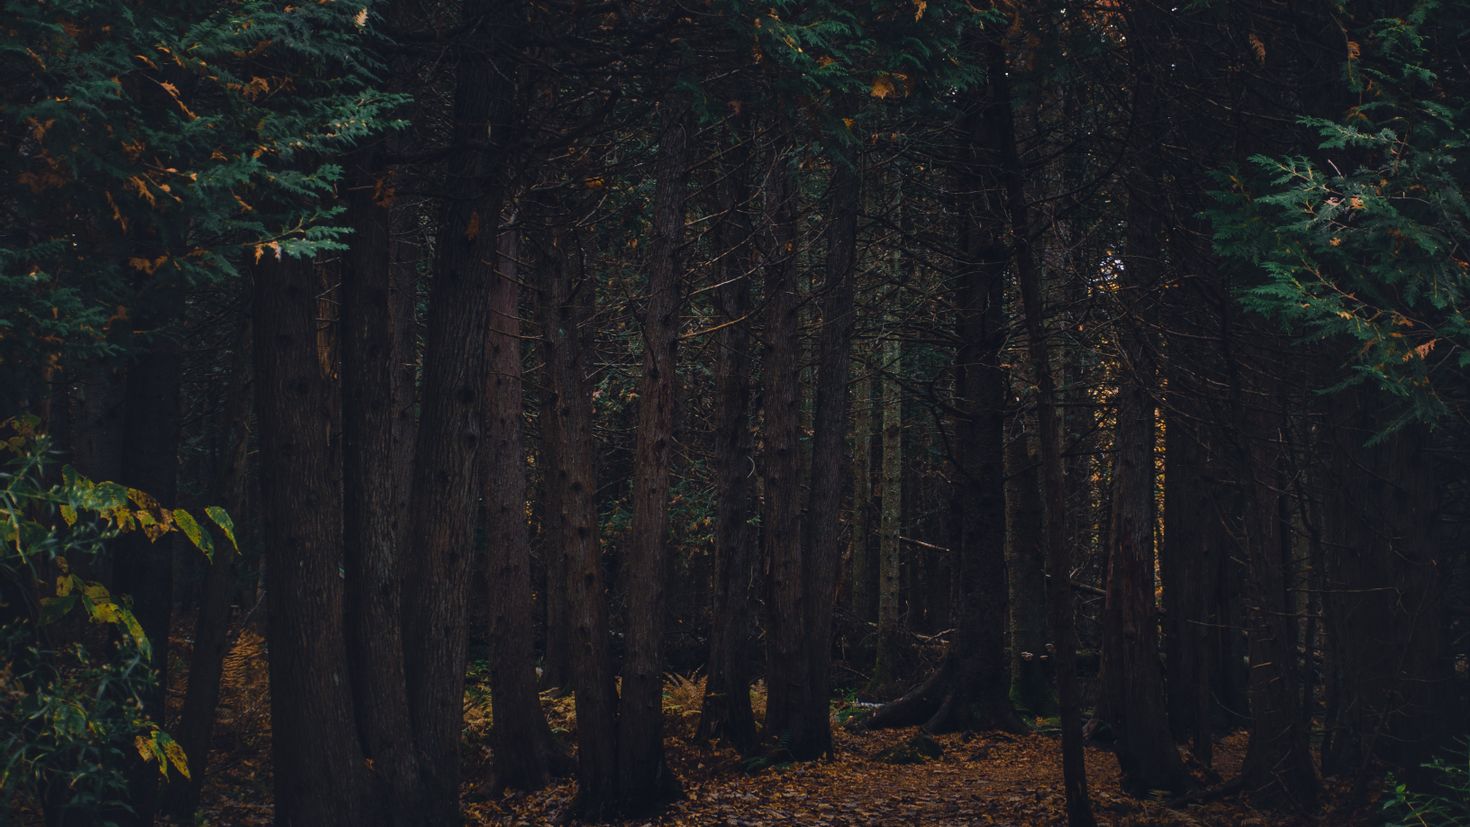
(195, 729)
(726, 713)
(1133, 678)
(1278, 767)
(822, 555)
(446, 474)
(370, 484)
(318, 766)
(526, 756)
(1026, 575)
(644, 778)
(863, 573)
(786, 672)
(889, 656)
(150, 462)
(998, 134)
(971, 688)
(570, 406)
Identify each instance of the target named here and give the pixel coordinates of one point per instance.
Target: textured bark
(890, 653)
(1133, 677)
(195, 729)
(726, 713)
(318, 768)
(644, 778)
(786, 673)
(822, 554)
(525, 755)
(569, 401)
(370, 497)
(998, 134)
(446, 474)
(143, 568)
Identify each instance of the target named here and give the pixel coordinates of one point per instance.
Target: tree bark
(318, 767)
(1031, 681)
(786, 673)
(370, 484)
(1133, 678)
(822, 555)
(446, 474)
(726, 713)
(569, 401)
(644, 778)
(525, 755)
(999, 136)
(195, 729)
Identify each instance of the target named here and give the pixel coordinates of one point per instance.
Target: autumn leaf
(919, 7)
(882, 87)
(1258, 48)
(472, 230)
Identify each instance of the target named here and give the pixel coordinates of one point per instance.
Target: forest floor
(984, 779)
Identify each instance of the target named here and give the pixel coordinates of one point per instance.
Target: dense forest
(421, 412)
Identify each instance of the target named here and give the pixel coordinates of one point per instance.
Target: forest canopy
(423, 413)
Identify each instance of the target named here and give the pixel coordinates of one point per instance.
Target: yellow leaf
(1258, 47)
(594, 183)
(69, 515)
(919, 7)
(360, 20)
(145, 749)
(882, 87)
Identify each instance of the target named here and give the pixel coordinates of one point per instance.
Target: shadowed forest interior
(712, 412)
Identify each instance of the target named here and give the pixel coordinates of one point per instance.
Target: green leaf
(222, 519)
(201, 540)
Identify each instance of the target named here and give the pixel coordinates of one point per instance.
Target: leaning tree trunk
(1133, 678)
(195, 729)
(525, 755)
(568, 401)
(446, 474)
(822, 554)
(726, 713)
(644, 778)
(998, 133)
(318, 766)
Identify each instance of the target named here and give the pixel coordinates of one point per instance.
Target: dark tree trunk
(568, 401)
(1133, 678)
(370, 498)
(786, 671)
(143, 568)
(971, 689)
(1031, 680)
(644, 778)
(726, 712)
(526, 756)
(446, 474)
(1278, 767)
(195, 729)
(999, 134)
(318, 767)
(822, 554)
